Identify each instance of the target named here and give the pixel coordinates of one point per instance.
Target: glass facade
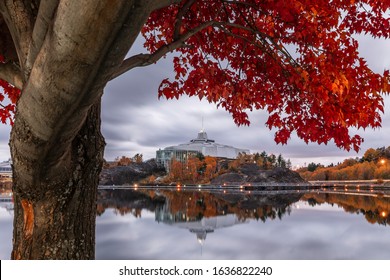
(200, 145)
(5, 169)
(164, 157)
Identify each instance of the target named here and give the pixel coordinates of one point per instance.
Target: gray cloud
(153, 123)
(135, 121)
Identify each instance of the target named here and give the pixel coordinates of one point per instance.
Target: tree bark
(66, 53)
(56, 220)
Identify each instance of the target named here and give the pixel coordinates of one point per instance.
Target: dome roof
(208, 147)
(202, 137)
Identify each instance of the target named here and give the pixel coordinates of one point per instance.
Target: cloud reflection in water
(319, 232)
(130, 226)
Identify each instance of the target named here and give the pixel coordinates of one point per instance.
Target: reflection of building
(7, 202)
(6, 169)
(8, 206)
(209, 225)
(200, 145)
(200, 226)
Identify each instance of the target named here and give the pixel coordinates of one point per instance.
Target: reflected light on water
(232, 224)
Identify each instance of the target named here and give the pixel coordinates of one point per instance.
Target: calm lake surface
(235, 224)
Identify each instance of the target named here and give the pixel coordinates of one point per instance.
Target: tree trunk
(67, 52)
(55, 219)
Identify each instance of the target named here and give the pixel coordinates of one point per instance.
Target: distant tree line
(263, 160)
(375, 164)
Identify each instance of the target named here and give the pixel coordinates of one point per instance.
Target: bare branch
(10, 73)
(148, 59)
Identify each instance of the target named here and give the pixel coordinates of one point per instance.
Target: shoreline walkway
(360, 188)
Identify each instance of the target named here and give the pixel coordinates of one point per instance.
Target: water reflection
(243, 225)
(172, 206)
(6, 220)
(234, 224)
(198, 207)
(374, 208)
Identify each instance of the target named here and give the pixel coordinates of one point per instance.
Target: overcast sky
(135, 121)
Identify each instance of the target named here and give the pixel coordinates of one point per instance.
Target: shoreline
(356, 184)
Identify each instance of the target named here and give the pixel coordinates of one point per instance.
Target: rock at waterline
(251, 173)
(133, 173)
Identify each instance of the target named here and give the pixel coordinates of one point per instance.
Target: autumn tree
(123, 161)
(138, 158)
(193, 170)
(371, 155)
(176, 170)
(366, 168)
(298, 60)
(210, 164)
(313, 166)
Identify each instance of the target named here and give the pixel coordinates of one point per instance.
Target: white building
(200, 145)
(6, 169)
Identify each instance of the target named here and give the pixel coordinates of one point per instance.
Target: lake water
(235, 224)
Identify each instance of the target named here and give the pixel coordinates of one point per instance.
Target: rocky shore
(251, 173)
(247, 173)
(133, 173)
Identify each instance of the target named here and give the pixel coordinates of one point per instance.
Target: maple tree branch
(158, 4)
(245, 4)
(268, 51)
(265, 38)
(7, 47)
(10, 73)
(227, 31)
(19, 17)
(141, 60)
(240, 3)
(46, 12)
(179, 18)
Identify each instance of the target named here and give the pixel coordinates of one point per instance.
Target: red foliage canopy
(296, 59)
(10, 92)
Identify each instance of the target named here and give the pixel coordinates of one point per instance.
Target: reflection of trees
(126, 202)
(196, 205)
(375, 209)
(5, 186)
(245, 206)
